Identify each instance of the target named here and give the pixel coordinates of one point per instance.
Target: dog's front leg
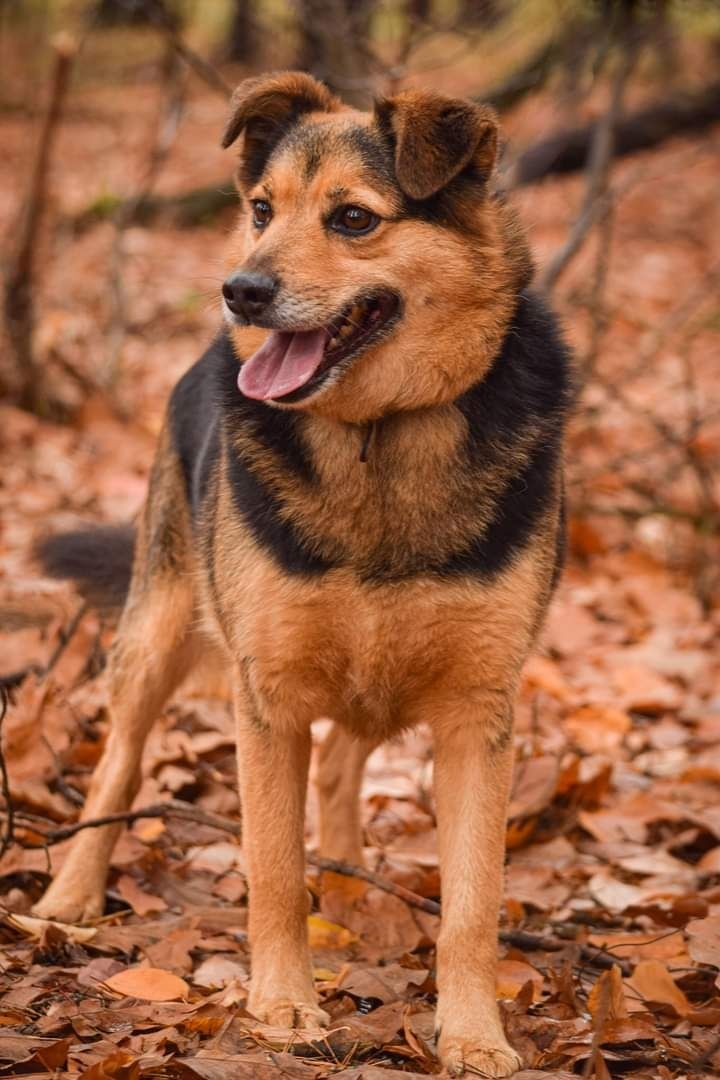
(473, 766)
(273, 766)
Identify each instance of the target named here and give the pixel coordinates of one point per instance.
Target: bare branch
(160, 18)
(19, 306)
(8, 832)
(520, 939)
(15, 678)
(595, 203)
(166, 128)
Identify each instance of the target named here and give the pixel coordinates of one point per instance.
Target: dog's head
(373, 270)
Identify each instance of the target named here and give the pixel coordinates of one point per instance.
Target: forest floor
(614, 830)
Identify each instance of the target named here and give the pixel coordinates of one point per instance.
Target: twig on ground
(411, 898)
(15, 678)
(72, 795)
(519, 939)
(679, 317)
(171, 808)
(23, 378)
(65, 636)
(703, 1059)
(8, 832)
(710, 511)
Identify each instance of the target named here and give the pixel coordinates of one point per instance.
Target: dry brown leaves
(614, 831)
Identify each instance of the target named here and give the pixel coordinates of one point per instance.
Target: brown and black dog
(364, 516)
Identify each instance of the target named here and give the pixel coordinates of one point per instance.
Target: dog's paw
(476, 1057)
(290, 1014)
(71, 908)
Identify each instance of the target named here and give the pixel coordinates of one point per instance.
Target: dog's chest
(410, 506)
(376, 658)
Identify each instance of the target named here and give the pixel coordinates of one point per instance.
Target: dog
(357, 498)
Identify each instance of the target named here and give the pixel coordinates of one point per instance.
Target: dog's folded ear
(264, 107)
(435, 137)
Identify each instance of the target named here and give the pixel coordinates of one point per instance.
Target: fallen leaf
(598, 729)
(150, 984)
(142, 903)
(513, 975)
(606, 1000)
(118, 1066)
(324, 934)
(218, 971)
(540, 673)
(37, 927)
(704, 940)
(653, 982)
(385, 984)
(643, 690)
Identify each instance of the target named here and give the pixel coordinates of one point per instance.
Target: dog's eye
(354, 220)
(262, 212)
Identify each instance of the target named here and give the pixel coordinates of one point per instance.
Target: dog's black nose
(248, 293)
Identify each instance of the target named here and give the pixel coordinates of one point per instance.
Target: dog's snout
(248, 293)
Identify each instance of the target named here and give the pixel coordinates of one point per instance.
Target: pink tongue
(283, 363)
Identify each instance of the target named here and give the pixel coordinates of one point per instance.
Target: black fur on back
(98, 559)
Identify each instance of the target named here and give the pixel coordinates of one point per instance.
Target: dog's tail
(97, 559)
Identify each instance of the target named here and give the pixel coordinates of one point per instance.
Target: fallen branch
(185, 209)
(24, 378)
(531, 76)
(519, 939)
(411, 898)
(567, 151)
(171, 808)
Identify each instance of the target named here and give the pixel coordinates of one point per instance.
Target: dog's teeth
(345, 330)
(356, 313)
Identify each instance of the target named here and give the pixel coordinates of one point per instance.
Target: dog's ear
(264, 107)
(435, 137)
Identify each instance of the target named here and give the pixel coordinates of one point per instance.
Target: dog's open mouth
(290, 365)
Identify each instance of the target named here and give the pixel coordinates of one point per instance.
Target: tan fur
(375, 657)
(440, 510)
(153, 652)
(423, 161)
(437, 356)
(341, 761)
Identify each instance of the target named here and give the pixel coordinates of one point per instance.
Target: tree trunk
(242, 42)
(334, 45)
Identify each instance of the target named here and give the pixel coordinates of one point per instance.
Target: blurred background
(115, 203)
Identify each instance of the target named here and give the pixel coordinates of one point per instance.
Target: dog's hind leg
(153, 651)
(341, 762)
